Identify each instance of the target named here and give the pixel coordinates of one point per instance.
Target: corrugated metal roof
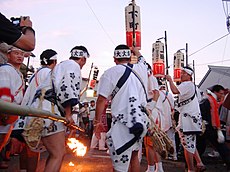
(216, 75)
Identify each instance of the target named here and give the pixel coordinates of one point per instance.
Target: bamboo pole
(14, 109)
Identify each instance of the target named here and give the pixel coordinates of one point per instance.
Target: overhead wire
(223, 56)
(208, 45)
(99, 22)
(202, 64)
(225, 7)
(225, 48)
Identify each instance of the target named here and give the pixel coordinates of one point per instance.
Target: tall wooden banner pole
(166, 59)
(193, 63)
(186, 54)
(133, 16)
(166, 54)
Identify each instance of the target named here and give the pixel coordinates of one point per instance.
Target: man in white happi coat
(48, 60)
(99, 135)
(168, 112)
(190, 121)
(155, 109)
(11, 89)
(129, 123)
(92, 109)
(58, 95)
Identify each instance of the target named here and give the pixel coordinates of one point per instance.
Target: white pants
(101, 142)
(171, 134)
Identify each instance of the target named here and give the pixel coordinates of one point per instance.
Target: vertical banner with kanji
(133, 23)
(158, 59)
(177, 65)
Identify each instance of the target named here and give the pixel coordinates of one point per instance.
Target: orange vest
(214, 111)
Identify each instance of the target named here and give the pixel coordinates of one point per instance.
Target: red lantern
(129, 20)
(177, 75)
(92, 83)
(158, 59)
(159, 69)
(178, 64)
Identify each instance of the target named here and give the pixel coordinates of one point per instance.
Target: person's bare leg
(157, 157)
(29, 160)
(4, 138)
(158, 162)
(134, 163)
(55, 145)
(150, 158)
(198, 159)
(189, 160)
(150, 155)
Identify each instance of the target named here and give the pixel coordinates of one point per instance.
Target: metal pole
(133, 16)
(166, 59)
(87, 84)
(193, 62)
(186, 53)
(166, 54)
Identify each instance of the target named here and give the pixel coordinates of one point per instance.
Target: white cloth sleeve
(151, 105)
(220, 136)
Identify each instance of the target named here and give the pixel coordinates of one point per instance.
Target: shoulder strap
(4, 64)
(139, 78)
(166, 98)
(122, 80)
(35, 76)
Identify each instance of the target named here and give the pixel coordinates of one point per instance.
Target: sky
(99, 25)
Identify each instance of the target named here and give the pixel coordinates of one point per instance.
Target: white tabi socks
(159, 167)
(151, 168)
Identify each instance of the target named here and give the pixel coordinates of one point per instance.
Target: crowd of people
(137, 100)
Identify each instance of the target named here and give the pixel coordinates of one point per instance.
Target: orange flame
(77, 147)
(71, 164)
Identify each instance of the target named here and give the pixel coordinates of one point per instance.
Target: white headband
(79, 53)
(51, 58)
(122, 53)
(188, 71)
(13, 48)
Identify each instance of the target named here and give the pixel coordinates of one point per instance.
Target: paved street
(99, 161)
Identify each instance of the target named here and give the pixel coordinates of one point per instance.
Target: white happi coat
(66, 79)
(155, 107)
(11, 87)
(38, 78)
(190, 120)
(167, 106)
(125, 109)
